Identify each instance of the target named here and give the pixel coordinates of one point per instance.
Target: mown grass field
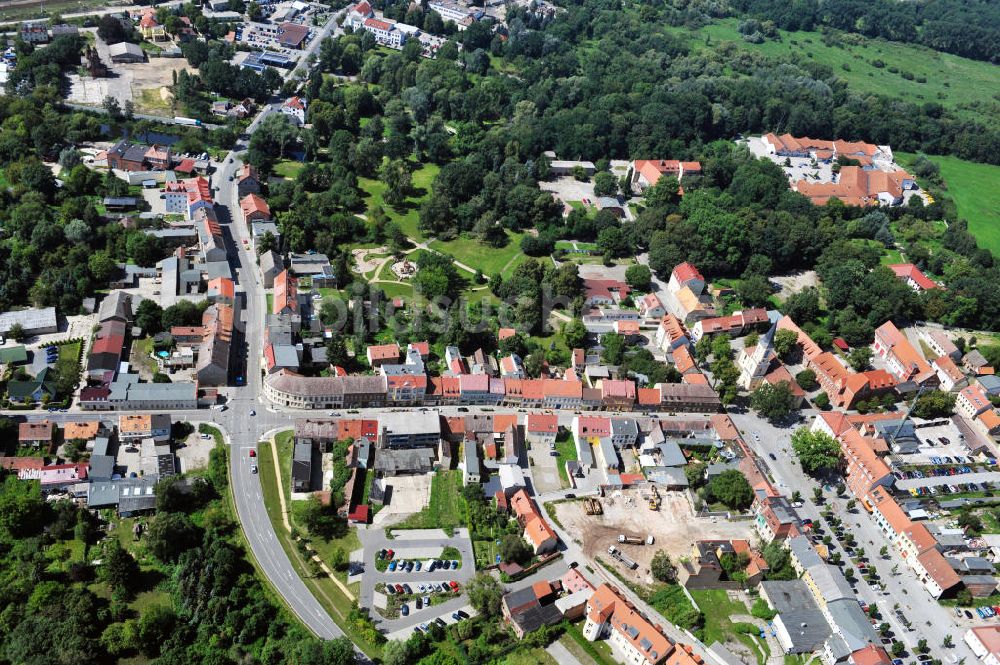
(974, 189)
(954, 82)
(476, 255)
(407, 218)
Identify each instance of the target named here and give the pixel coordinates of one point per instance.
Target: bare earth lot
(145, 84)
(674, 527)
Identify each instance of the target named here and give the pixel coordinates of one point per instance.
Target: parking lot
(407, 549)
(939, 482)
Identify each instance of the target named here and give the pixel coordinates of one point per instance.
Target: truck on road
(620, 556)
(635, 540)
(193, 122)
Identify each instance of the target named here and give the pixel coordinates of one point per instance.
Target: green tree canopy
(818, 452)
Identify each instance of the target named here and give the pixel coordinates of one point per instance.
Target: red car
(454, 586)
(253, 453)
(399, 588)
(388, 555)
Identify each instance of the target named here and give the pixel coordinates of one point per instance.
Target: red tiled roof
(685, 272)
(543, 422)
(910, 271)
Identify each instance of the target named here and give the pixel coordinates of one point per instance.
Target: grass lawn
(475, 254)
(576, 205)
(891, 256)
(567, 451)
(408, 217)
(150, 101)
(949, 80)
(446, 509)
(599, 651)
(536, 656)
(718, 608)
(288, 168)
(326, 591)
(972, 187)
(486, 551)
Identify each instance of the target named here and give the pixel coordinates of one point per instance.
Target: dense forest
(69, 590)
(969, 28)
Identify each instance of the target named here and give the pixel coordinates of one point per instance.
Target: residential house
(734, 325)
(36, 434)
(973, 361)
(604, 292)
(647, 172)
(650, 307)
(150, 28)
(286, 294)
(948, 374)
(541, 428)
(985, 643)
(902, 360)
(611, 616)
(248, 181)
(537, 531)
(799, 623)
(147, 426)
(107, 349)
(972, 401)
(254, 209)
(384, 353)
(294, 109)
(940, 343)
(270, 267)
(913, 277)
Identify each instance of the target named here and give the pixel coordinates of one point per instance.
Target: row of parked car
(987, 611)
(456, 616)
(405, 566)
(952, 489)
(435, 587)
(936, 472)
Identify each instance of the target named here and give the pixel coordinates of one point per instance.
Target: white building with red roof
(650, 307)
(985, 643)
(295, 109)
(541, 428)
(913, 277)
(647, 172)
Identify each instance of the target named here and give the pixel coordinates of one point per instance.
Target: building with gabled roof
(610, 615)
(647, 172)
(286, 294)
(913, 277)
(902, 360)
(985, 643)
(254, 209)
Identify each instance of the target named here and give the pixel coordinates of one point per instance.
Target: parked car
(427, 601)
(462, 614)
(419, 603)
(441, 622)
(404, 610)
(389, 554)
(416, 566)
(389, 589)
(400, 589)
(392, 566)
(407, 588)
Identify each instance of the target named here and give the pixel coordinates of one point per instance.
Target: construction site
(637, 522)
